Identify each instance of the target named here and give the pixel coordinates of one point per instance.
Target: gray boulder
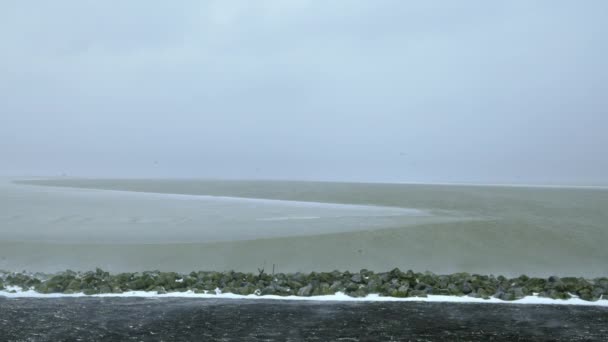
(305, 291)
(519, 292)
(417, 293)
(336, 286)
(268, 290)
(323, 289)
(357, 278)
(373, 286)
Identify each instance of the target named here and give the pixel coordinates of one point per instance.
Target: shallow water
(182, 225)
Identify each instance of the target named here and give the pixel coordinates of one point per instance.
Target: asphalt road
(172, 319)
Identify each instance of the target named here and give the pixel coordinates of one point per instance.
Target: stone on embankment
(394, 283)
(305, 291)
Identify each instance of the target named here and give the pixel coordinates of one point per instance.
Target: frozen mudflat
(185, 225)
(69, 215)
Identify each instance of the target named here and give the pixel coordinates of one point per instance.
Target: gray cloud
(470, 91)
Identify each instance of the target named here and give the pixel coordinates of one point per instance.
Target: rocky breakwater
(395, 283)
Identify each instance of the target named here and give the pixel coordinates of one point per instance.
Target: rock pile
(395, 283)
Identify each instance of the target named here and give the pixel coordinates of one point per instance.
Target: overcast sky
(410, 91)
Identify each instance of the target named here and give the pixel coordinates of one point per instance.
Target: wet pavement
(175, 319)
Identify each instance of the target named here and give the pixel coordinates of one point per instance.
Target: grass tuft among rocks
(395, 283)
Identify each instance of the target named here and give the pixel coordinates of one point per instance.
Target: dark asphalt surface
(172, 319)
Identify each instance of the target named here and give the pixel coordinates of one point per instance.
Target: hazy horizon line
(548, 185)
